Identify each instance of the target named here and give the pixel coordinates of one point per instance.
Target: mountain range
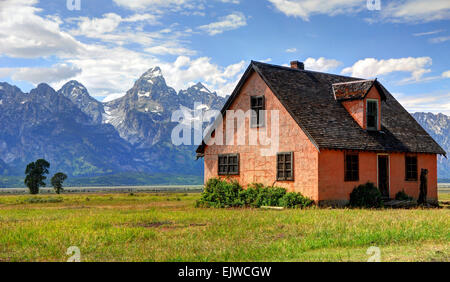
(86, 138)
(438, 126)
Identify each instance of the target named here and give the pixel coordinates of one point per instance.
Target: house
(335, 132)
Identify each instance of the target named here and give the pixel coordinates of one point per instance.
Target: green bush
(366, 196)
(402, 196)
(256, 195)
(220, 194)
(295, 200)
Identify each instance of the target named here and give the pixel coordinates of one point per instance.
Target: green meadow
(167, 227)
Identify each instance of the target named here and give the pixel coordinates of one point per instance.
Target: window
(257, 107)
(229, 164)
(351, 167)
(411, 168)
(372, 114)
(285, 166)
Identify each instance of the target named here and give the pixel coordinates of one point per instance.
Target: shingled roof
(309, 98)
(344, 91)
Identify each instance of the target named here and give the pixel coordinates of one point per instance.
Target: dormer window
(362, 99)
(372, 114)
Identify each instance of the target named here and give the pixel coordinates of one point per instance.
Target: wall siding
(262, 169)
(333, 187)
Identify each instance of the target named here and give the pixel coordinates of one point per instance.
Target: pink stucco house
(335, 132)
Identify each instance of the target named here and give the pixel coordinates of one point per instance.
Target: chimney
(297, 65)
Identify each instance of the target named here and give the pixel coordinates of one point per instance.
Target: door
(383, 175)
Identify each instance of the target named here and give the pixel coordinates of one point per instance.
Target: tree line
(35, 176)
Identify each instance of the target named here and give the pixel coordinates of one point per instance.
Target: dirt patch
(171, 227)
(280, 236)
(154, 224)
(164, 225)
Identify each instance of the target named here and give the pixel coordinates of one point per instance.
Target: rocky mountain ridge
(85, 137)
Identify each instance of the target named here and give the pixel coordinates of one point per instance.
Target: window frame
(407, 166)
(283, 169)
(352, 177)
(227, 164)
(377, 114)
(259, 112)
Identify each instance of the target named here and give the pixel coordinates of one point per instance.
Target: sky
(108, 44)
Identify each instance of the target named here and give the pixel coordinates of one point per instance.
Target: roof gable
(354, 90)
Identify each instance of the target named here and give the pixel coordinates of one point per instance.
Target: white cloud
(103, 65)
(115, 30)
(440, 39)
(416, 11)
(36, 75)
(25, 34)
(291, 50)
(230, 22)
(393, 11)
(177, 5)
(268, 60)
(371, 67)
(230, 1)
(143, 4)
(306, 8)
(432, 102)
(109, 70)
(185, 71)
(428, 32)
(108, 23)
(321, 64)
(169, 49)
(446, 74)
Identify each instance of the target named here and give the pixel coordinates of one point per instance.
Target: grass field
(167, 227)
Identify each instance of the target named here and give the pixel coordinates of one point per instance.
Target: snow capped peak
(152, 73)
(74, 87)
(200, 87)
(76, 84)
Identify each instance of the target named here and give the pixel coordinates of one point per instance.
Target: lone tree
(57, 181)
(35, 175)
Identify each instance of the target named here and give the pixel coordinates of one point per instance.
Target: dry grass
(167, 227)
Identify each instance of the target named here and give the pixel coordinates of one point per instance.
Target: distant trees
(35, 175)
(57, 181)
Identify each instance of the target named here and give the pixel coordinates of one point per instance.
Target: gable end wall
(262, 169)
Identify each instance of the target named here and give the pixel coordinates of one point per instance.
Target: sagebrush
(366, 196)
(402, 196)
(222, 194)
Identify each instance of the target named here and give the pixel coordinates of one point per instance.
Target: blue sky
(108, 44)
